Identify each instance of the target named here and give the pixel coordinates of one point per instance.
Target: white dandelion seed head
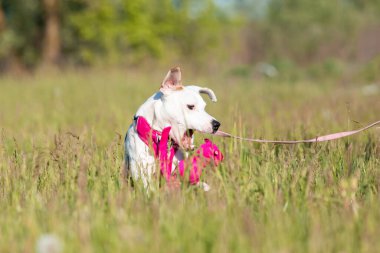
(48, 243)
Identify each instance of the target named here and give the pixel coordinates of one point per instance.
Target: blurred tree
(190, 28)
(104, 31)
(101, 31)
(52, 42)
(2, 19)
(309, 30)
(88, 32)
(20, 39)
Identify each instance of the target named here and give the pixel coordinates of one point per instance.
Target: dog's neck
(151, 110)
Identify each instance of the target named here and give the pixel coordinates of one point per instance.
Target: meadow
(61, 151)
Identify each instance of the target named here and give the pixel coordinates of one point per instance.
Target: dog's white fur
(180, 107)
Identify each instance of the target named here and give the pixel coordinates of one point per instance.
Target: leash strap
(323, 138)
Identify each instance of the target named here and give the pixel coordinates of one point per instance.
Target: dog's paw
(204, 186)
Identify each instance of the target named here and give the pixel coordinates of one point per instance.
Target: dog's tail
(126, 172)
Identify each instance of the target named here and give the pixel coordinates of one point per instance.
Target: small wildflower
(48, 243)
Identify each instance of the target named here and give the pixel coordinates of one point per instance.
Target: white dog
(182, 109)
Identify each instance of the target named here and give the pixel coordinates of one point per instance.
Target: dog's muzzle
(215, 125)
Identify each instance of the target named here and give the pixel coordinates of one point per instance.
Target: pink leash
(328, 137)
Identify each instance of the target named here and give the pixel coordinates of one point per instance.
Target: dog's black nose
(215, 125)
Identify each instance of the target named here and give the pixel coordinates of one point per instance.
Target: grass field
(61, 150)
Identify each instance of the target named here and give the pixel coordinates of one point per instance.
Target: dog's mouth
(187, 139)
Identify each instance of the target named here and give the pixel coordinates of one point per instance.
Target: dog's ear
(172, 81)
(204, 90)
(210, 93)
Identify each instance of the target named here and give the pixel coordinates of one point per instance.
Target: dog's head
(183, 108)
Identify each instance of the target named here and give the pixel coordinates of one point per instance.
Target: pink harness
(207, 153)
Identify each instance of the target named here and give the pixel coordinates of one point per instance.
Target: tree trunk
(2, 19)
(52, 40)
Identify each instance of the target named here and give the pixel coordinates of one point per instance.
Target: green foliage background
(112, 32)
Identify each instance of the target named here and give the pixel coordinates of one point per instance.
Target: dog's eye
(191, 107)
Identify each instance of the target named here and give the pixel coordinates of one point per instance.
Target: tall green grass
(61, 150)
